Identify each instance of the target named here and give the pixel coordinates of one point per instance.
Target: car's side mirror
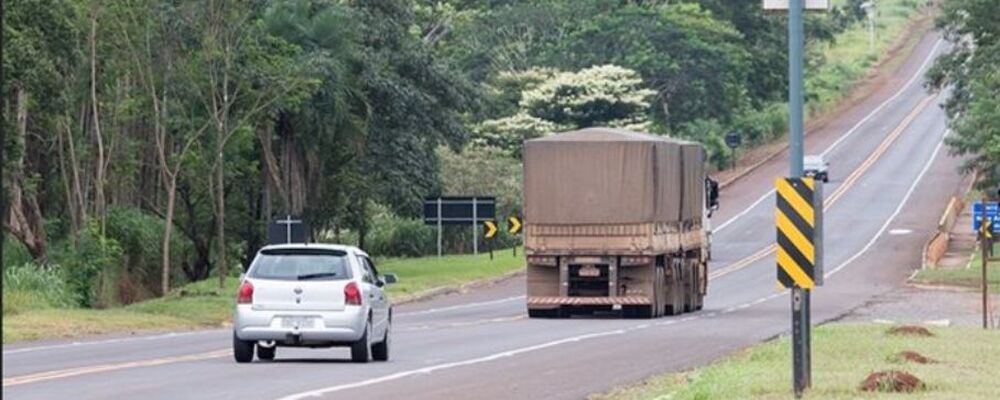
(389, 279)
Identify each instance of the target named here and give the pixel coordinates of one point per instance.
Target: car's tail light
(245, 295)
(352, 295)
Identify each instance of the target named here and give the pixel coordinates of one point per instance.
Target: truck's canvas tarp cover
(611, 176)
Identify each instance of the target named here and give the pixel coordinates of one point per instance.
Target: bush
(394, 236)
(90, 265)
(140, 236)
(15, 253)
(29, 286)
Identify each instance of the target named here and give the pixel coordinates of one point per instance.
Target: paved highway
(890, 178)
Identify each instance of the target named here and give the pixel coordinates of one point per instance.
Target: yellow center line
(843, 188)
(93, 369)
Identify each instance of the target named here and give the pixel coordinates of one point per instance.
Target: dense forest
(150, 142)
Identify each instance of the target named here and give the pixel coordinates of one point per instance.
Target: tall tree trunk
(220, 218)
(99, 175)
(81, 204)
(24, 217)
(74, 216)
(168, 225)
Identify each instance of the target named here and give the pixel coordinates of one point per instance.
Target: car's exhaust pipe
(266, 343)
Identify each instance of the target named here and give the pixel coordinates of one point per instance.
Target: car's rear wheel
(380, 351)
(242, 349)
(361, 349)
(266, 353)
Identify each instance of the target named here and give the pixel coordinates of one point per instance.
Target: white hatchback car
(312, 295)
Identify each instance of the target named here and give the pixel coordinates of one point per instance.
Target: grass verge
(843, 355)
(203, 304)
(970, 277)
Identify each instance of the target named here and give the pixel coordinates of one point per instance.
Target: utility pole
(801, 371)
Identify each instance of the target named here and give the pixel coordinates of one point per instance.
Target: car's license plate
(589, 271)
(297, 322)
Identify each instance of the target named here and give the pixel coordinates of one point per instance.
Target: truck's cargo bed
(609, 191)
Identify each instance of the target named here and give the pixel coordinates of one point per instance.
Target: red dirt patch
(891, 381)
(912, 356)
(910, 330)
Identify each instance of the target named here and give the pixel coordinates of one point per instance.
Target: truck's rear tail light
(542, 260)
(636, 260)
(245, 295)
(352, 295)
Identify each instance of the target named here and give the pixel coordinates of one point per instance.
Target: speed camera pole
(800, 297)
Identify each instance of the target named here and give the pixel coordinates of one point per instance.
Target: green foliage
(90, 265)
(693, 61)
(969, 70)
(29, 286)
(140, 237)
(484, 171)
(416, 103)
(394, 236)
(14, 253)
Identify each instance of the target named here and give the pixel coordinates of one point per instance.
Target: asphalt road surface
(890, 178)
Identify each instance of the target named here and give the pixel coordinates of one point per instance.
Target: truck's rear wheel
(676, 289)
(690, 285)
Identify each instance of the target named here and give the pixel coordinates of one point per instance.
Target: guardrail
(937, 246)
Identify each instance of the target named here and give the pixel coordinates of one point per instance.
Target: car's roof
(324, 246)
(813, 158)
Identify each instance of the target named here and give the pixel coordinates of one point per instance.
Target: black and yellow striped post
(799, 255)
(799, 224)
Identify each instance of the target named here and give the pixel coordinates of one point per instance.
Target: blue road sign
(991, 213)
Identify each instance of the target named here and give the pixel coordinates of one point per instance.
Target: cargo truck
(616, 220)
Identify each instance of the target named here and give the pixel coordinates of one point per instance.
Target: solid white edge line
(899, 208)
(850, 132)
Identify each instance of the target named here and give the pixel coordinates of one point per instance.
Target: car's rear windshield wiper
(317, 275)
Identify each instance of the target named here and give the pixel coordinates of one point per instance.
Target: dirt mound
(910, 330)
(891, 381)
(912, 356)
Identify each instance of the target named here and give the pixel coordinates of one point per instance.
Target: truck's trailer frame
(614, 220)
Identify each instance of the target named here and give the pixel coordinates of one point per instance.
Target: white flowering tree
(509, 133)
(549, 101)
(606, 95)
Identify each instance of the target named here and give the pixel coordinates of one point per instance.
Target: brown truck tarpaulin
(613, 183)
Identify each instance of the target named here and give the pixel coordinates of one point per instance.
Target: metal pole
(984, 242)
(439, 226)
(800, 297)
(871, 31)
(795, 77)
(475, 228)
(733, 163)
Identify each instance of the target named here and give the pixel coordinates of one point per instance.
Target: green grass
(420, 274)
(843, 355)
(203, 304)
(970, 277)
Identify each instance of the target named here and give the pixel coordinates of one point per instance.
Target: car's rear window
(301, 264)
